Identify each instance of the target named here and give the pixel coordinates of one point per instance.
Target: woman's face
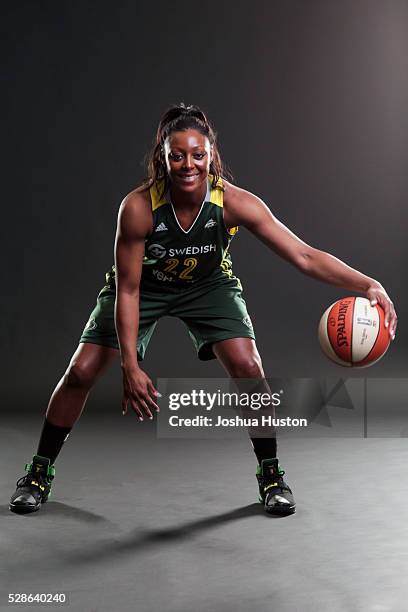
(188, 158)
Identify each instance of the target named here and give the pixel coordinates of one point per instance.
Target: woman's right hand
(139, 391)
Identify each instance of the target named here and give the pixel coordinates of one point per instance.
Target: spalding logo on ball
(352, 332)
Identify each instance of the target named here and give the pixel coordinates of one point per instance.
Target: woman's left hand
(378, 295)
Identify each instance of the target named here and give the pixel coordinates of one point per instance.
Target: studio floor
(146, 524)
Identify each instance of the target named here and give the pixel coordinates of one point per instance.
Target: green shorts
(211, 313)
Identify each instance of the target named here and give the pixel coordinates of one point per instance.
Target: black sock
(264, 448)
(51, 440)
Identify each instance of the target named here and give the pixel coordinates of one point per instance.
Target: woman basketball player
(172, 258)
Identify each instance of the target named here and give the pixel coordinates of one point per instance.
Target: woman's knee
(249, 366)
(80, 376)
(87, 364)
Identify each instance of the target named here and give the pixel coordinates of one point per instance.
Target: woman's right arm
(134, 224)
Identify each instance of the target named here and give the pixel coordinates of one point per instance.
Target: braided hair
(179, 118)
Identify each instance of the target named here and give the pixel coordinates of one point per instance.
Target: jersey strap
(217, 198)
(157, 196)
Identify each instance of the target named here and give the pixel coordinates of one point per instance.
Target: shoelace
(30, 478)
(270, 481)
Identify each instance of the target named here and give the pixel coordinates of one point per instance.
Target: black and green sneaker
(34, 488)
(274, 493)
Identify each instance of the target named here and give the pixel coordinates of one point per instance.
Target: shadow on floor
(138, 542)
(59, 509)
(109, 548)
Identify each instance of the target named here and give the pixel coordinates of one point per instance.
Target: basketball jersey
(175, 257)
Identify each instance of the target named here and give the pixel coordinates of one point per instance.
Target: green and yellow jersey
(176, 258)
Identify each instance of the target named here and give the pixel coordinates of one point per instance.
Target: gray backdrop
(309, 100)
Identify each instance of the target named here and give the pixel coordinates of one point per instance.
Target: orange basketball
(352, 332)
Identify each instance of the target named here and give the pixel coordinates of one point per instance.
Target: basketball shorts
(211, 313)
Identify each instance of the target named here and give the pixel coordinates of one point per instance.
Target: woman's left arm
(244, 208)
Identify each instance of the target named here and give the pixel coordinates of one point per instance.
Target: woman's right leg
(69, 397)
(65, 407)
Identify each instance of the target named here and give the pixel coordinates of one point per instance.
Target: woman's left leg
(240, 358)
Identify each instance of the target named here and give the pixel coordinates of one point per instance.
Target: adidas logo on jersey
(161, 228)
(210, 223)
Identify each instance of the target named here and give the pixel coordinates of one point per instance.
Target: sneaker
(34, 488)
(274, 493)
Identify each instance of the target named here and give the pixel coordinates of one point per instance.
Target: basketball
(352, 333)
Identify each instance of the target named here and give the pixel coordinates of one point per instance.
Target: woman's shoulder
(138, 196)
(233, 194)
(135, 212)
(142, 190)
(136, 206)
